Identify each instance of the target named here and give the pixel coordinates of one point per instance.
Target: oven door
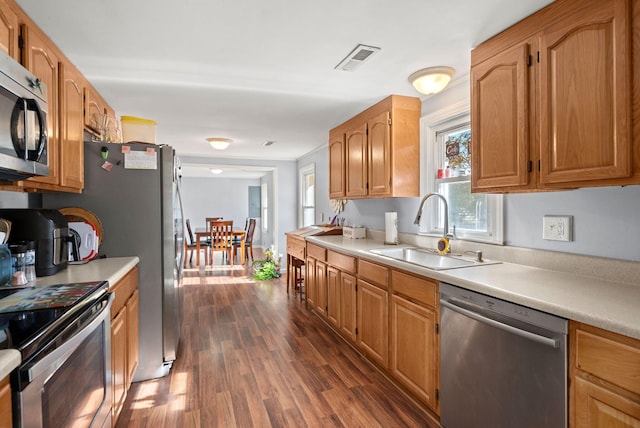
(71, 385)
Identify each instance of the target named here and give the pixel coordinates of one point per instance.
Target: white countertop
(110, 269)
(606, 304)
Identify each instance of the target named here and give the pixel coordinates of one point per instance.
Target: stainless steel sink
(430, 259)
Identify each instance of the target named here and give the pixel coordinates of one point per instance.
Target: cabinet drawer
(295, 248)
(123, 289)
(609, 356)
(342, 262)
(420, 289)
(373, 272)
(316, 252)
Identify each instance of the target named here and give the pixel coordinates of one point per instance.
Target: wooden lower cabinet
(333, 296)
(124, 338)
(311, 290)
(133, 324)
(373, 322)
(605, 378)
(320, 279)
(5, 404)
(119, 362)
(414, 348)
(347, 315)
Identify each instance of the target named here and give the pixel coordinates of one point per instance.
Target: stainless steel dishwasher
(502, 365)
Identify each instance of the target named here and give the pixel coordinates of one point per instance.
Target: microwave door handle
(19, 119)
(33, 106)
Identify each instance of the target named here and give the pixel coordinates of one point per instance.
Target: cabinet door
(379, 145)
(321, 288)
(336, 166)
(310, 283)
(373, 326)
(94, 111)
(348, 306)
(119, 361)
(132, 336)
(9, 29)
(333, 296)
(500, 120)
(585, 113)
(356, 161)
(71, 127)
(414, 349)
(597, 406)
(5, 404)
(42, 60)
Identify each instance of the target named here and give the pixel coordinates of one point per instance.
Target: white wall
(223, 197)
(606, 219)
(283, 188)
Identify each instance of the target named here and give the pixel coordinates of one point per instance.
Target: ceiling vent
(357, 57)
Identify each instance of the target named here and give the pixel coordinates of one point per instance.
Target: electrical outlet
(557, 227)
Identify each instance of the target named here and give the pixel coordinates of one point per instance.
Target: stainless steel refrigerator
(134, 190)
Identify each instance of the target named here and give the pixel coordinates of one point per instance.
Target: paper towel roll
(391, 228)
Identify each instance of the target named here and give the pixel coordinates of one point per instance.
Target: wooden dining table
(202, 232)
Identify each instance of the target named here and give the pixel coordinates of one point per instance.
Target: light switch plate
(557, 227)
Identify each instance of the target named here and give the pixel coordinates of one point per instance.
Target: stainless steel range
(63, 334)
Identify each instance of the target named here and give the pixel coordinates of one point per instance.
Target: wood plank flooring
(251, 356)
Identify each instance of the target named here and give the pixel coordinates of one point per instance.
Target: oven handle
(554, 343)
(59, 355)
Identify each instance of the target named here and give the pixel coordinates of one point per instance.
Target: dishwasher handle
(554, 343)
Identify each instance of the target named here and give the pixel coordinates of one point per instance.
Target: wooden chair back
(221, 234)
(250, 229)
(208, 221)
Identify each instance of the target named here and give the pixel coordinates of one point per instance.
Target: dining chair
(250, 228)
(208, 221)
(221, 238)
(190, 246)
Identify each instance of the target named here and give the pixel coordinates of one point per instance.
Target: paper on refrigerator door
(391, 228)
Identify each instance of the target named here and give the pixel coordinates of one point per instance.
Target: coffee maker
(48, 228)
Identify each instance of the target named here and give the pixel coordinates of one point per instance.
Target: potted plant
(268, 268)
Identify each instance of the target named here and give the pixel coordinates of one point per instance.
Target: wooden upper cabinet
(9, 31)
(585, 114)
(336, 166)
(379, 140)
(381, 151)
(500, 120)
(356, 161)
(95, 111)
(41, 58)
(71, 127)
(552, 100)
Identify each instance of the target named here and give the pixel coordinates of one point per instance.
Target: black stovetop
(30, 315)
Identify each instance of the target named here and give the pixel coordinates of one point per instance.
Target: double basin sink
(430, 259)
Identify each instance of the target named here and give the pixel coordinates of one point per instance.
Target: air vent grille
(357, 57)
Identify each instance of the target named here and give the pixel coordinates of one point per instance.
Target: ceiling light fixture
(215, 171)
(219, 143)
(431, 80)
(268, 143)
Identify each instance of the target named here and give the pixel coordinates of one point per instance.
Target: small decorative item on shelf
(269, 268)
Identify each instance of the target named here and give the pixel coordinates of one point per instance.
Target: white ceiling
(252, 70)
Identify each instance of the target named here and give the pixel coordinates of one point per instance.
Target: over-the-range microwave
(23, 122)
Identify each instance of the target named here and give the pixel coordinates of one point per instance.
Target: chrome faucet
(446, 212)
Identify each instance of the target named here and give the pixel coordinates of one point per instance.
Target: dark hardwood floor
(251, 356)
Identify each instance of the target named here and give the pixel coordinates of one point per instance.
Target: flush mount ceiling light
(431, 80)
(215, 171)
(219, 143)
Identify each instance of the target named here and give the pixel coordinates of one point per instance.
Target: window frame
(441, 120)
(264, 187)
(302, 174)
